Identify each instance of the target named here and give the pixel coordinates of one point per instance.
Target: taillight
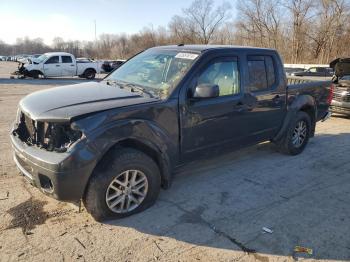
(330, 95)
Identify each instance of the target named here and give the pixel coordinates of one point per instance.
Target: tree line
(303, 31)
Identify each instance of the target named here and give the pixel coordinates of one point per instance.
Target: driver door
(213, 123)
(52, 67)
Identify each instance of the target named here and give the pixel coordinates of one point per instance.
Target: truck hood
(341, 66)
(61, 104)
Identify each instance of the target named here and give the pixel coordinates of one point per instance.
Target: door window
(313, 70)
(67, 59)
(225, 74)
(53, 60)
(262, 75)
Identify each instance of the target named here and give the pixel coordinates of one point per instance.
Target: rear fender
(299, 103)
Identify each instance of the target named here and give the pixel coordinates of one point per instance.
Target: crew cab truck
(115, 143)
(57, 64)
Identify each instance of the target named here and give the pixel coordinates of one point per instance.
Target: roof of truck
(57, 53)
(202, 48)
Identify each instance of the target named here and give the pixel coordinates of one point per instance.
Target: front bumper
(63, 176)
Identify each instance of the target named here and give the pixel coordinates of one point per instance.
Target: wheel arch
(90, 68)
(35, 70)
(146, 147)
(305, 103)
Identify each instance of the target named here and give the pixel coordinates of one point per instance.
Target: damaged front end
(58, 137)
(21, 71)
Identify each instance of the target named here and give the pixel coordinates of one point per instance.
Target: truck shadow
(224, 202)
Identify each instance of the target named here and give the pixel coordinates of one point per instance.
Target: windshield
(40, 58)
(156, 71)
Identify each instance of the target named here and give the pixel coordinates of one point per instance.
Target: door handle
(57, 65)
(71, 65)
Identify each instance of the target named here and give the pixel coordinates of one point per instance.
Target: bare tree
(201, 20)
(261, 21)
(301, 11)
(303, 31)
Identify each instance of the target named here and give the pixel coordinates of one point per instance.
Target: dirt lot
(214, 211)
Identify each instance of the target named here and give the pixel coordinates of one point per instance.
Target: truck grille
(34, 131)
(341, 94)
(29, 124)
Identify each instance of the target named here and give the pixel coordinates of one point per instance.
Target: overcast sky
(74, 19)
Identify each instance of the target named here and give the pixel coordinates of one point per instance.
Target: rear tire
(297, 135)
(106, 186)
(90, 74)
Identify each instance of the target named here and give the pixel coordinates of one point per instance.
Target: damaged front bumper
(63, 176)
(21, 72)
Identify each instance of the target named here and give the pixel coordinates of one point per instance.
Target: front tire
(125, 184)
(297, 135)
(34, 74)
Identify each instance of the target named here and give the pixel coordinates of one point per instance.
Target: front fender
(103, 138)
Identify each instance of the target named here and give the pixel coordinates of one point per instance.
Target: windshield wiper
(112, 82)
(134, 87)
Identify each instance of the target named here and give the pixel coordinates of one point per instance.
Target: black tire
(35, 74)
(120, 161)
(286, 145)
(89, 74)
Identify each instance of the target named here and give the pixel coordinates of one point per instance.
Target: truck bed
(307, 86)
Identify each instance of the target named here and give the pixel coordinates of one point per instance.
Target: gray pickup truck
(341, 99)
(115, 143)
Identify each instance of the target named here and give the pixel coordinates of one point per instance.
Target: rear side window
(53, 60)
(67, 59)
(262, 75)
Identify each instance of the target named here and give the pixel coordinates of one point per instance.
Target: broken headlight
(59, 137)
(50, 136)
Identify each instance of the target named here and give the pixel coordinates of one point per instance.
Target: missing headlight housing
(50, 136)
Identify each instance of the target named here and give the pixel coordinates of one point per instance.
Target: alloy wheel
(299, 134)
(126, 191)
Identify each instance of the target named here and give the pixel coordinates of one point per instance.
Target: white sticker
(186, 56)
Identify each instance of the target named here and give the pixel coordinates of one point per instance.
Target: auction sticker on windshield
(186, 56)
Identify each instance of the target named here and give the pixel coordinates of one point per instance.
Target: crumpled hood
(61, 104)
(341, 66)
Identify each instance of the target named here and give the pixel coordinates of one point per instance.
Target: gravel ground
(214, 211)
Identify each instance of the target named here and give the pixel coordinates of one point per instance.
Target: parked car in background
(56, 64)
(22, 58)
(341, 101)
(315, 71)
(34, 56)
(109, 66)
(114, 143)
(5, 58)
(290, 70)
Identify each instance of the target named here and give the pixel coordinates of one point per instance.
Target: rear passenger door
(68, 66)
(52, 66)
(267, 95)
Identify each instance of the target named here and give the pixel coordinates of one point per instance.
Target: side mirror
(206, 91)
